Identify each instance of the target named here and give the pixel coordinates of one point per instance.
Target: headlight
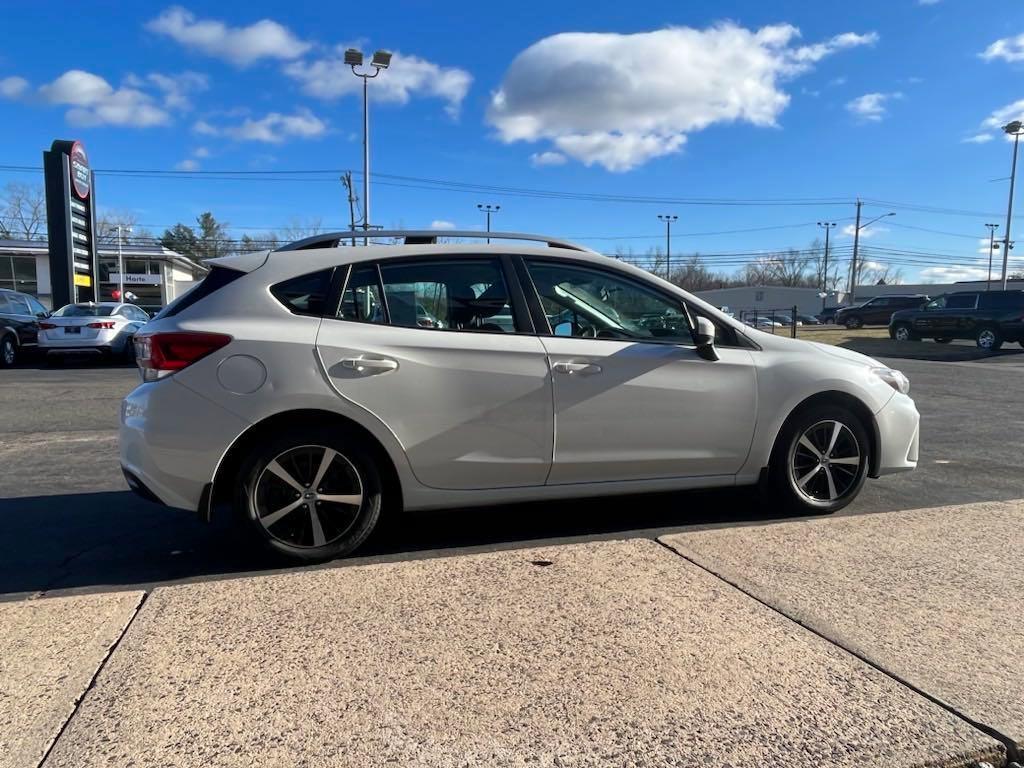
(894, 379)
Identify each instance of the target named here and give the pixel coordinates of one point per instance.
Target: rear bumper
(899, 435)
(172, 440)
(103, 341)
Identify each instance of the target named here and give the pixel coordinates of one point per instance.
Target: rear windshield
(217, 279)
(83, 310)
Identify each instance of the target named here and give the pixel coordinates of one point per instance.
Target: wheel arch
(220, 495)
(854, 404)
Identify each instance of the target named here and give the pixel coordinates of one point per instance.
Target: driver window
(939, 303)
(591, 303)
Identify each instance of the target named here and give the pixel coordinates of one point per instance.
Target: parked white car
(299, 389)
(104, 328)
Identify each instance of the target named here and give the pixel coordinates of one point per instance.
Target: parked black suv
(988, 317)
(878, 310)
(19, 324)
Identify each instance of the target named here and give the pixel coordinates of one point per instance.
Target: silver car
(105, 328)
(299, 390)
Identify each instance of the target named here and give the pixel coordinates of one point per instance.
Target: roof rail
(423, 237)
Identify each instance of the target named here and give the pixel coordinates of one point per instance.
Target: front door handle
(567, 366)
(369, 364)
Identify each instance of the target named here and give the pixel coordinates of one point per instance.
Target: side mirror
(563, 329)
(704, 338)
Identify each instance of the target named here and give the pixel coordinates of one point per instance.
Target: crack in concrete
(1014, 752)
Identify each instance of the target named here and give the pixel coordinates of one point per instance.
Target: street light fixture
(668, 219)
(827, 226)
(381, 60)
(1015, 129)
(488, 209)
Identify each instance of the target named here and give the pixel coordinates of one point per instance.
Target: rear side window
(217, 279)
(306, 294)
(962, 301)
(362, 301)
(1000, 300)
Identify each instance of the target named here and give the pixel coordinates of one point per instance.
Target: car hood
(845, 354)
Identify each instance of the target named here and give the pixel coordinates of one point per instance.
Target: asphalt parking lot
(68, 522)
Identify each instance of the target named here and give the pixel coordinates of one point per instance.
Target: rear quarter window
(305, 294)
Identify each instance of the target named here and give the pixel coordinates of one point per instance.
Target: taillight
(104, 324)
(161, 354)
(46, 326)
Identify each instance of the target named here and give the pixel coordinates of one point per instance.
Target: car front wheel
(311, 496)
(8, 351)
(988, 339)
(903, 332)
(853, 322)
(820, 460)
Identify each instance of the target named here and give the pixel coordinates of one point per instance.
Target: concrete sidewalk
(603, 654)
(932, 596)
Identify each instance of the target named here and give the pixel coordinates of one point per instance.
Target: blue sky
(738, 101)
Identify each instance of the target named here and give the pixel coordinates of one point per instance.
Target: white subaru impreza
(307, 388)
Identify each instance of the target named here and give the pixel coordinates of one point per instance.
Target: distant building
(153, 273)
(865, 292)
(765, 299)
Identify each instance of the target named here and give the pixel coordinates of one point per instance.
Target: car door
(423, 345)
(633, 399)
(23, 319)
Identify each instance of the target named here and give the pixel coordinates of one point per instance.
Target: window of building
(758, 295)
(18, 273)
(586, 302)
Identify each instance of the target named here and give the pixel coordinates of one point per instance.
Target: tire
(792, 461)
(988, 338)
(8, 351)
(903, 332)
(943, 339)
(853, 322)
(308, 527)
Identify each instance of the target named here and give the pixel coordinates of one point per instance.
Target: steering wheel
(587, 331)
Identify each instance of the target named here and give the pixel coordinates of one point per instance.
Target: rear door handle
(369, 364)
(567, 366)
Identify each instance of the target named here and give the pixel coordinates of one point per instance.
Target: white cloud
(176, 89)
(442, 224)
(1004, 115)
(273, 128)
(201, 152)
(1008, 49)
(187, 165)
(952, 273)
(242, 46)
(865, 232)
(12, 87)
(94, 101)
(598, 99)
(978, 138)
(539, 159)
(871, 106)
(330, 78)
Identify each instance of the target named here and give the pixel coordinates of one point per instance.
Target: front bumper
(899, 435)
(172, 440)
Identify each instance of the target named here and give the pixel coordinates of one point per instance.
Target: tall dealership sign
(71, 223)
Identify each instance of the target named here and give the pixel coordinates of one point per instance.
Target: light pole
(856, 249)
(381, 60)
(1015, 129)
(668, 219)
(827, 225)
(488, 209)
(120, 265)
(991, 247)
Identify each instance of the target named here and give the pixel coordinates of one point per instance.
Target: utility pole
(347, 181)
(381, 60)
(1014, 129)
(488, 209)
(668, 219)
(120, 266)
(853, 264)
(827, 225)
(991, 247)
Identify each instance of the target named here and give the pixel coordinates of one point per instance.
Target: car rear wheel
(988, 338)
(903, 332)
(820, 460)
(8, 351)
(853, 322)
(311, 496)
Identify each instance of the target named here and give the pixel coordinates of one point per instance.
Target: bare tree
(298, 229)
(23, 212)
(874, 273)
(108, 222)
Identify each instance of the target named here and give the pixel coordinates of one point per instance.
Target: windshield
(83, 310)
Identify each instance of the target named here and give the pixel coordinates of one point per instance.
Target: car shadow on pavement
(110, 539)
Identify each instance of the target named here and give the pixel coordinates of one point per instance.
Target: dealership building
(154, 274)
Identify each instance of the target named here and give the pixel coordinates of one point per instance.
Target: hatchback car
(19, 325)
(104, 328)
(299, 390)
